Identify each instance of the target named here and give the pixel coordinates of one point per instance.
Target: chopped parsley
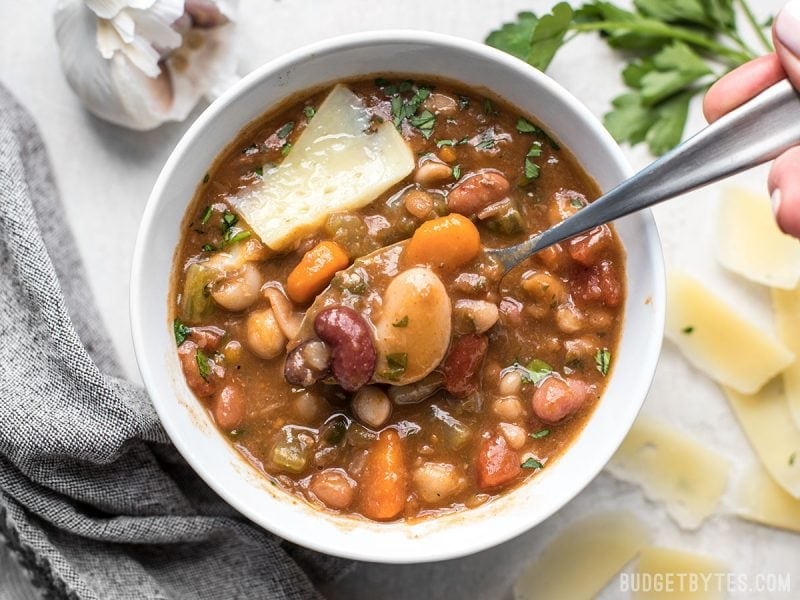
(286, 148)
(259, 171)
(206, 177)
(203, 367)
(540, 434)
(525, 126)
(206, 215)
(603, 360)
(181, 331)
(228, 220)
(531, 463)
(488, 107)
(208, 248)
(309, 111)
(531, 168)
(425, 122)
(463, 102)
(442, 143)
(403, 108)
(457, 172)
(688, 329)
(487, 142)
(534, 372)
(401, 323)
(397, 363)
(576, 201)
(285, 130)
(237, 237)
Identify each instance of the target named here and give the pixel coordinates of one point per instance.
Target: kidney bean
(307, 363)
(497, 464)
(333, 488)
(229, 407)
(353, 353)
(556, 399)
(477, 192)
(463, 363)
(207, 338)
(599, 282)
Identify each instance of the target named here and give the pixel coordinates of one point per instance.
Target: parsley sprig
(676, 50)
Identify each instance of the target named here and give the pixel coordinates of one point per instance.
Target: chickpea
(482, 315)
(372, 406)
(515, 435)
(508, 408)
(264, 336)
(418, 203)
(544, 288)
(240, 290)
(430, 172)
(308, 406)
(436, 482)
(511, 384)
(333, 488)
(569, 318)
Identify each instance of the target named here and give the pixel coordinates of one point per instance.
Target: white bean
(371, 406)
(431, 172)
(264, 337)
(569, 318)
(482, 314)
(435, 482)
(240, 290)
(515, 435)
(510, 384)
(508, 408)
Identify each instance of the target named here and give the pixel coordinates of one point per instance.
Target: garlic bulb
(140, 63)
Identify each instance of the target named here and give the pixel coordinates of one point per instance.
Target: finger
(784, 185)
(740, 85)
(786, 35)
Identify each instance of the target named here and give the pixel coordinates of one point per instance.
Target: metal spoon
(756, 132)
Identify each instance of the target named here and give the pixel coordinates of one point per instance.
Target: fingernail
(787, 26)
(776, 201)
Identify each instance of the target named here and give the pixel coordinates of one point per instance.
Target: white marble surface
(105, 174)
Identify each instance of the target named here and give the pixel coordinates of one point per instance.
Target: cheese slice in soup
(672, 468)
(750, 243)
(337, 164)
(719, 342)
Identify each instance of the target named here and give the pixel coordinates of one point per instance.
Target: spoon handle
(756, 132)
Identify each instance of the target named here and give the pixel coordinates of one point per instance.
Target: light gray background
(105, 174)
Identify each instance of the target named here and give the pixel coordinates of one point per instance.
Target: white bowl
(187, 423)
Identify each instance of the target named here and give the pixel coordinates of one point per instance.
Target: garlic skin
(140, 63)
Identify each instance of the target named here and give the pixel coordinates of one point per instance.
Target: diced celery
(289, 452)
(196, 301)
(456, 434)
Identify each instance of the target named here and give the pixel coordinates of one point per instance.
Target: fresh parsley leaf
(397, 364)
(531, 463)
(259, 171)
(457, 172)
(515, 38)
(206, 215)
(231, 238)
(463, 102)
(203, 367)
(548, 36)
(425, 122)
(309, 112)
(531, 168)
(401, 322)
(525, 126)
(285, 130)
(443, 143)
(540, 434)
(181, 331)
(688, 329)
(208, 248)
(534, 372)
(228, 220)
(286, 148)
(488, 107)
(602, 360)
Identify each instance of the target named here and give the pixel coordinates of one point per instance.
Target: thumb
(786, 34)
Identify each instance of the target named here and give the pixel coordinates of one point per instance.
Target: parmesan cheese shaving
(767, 423)
(596, 548)
(787, 319)
(750, 243)
(761, 500)
(718, 341)
(672, 468)
(336, 165)
(690, 576)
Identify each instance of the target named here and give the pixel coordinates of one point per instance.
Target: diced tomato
(587, 248)
(599, 282)
(497, 463)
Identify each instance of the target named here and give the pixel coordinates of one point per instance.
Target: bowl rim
(650, 242)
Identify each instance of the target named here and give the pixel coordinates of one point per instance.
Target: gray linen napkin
(94, 502)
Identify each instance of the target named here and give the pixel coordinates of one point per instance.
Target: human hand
(746, 82)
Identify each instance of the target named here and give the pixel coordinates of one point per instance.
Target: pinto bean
(306, 364)
(599, 282)
(430, 172)
(353, 355)
(229, 407)
(207, 338)
(556, 399)
(333, 488)
(497, 463)
(477, 192)
(463, 363)
(264, 336)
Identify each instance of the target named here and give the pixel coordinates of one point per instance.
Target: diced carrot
(497, 463)
(315, 271)
(382, 487)
(447, 242)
